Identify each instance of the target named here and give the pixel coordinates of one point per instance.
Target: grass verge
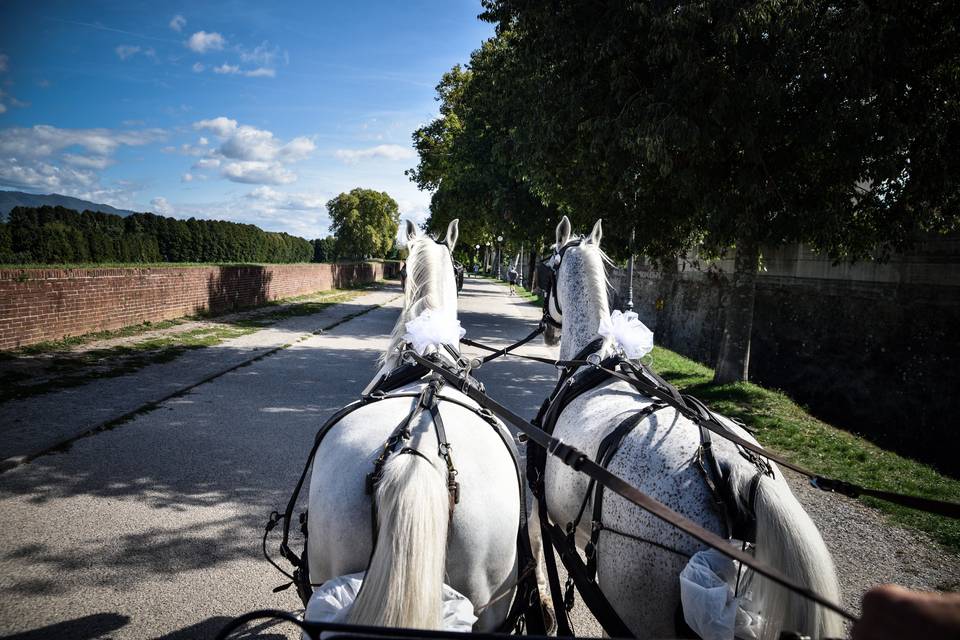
(784, 426)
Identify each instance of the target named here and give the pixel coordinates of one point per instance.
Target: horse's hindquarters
(640, 579)
(481, 544)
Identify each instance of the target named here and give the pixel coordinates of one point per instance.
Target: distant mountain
(11, 199)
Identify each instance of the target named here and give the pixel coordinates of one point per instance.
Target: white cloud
(262, 55)
(125, 51)
(250, 155)
(46, 158)
(255, 172)
(201, 42)
(291, 201)
(41, 175)
(87, 162)
(3, 108)
(206, 163)
(4, 62)
(44, 140)
(297, 149)
(250, 143)
(203, 141)
(161, 205)
(232, 69)
(221, 126)
(177, 23)
(382, 151)
(187, 177)
(197, 67)
(226, 69)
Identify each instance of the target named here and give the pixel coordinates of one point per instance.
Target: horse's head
(577, 292)
(430, 282)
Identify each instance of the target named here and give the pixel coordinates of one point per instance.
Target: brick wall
(50, 304)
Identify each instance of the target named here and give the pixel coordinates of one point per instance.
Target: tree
(464, 162)
(364, 222)
(722, 126)
(325, 250)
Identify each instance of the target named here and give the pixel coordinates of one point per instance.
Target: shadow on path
(84, 628)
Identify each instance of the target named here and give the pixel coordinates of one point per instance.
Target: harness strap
(553, 577)
(501, 352)
(443, 449)
(608, 447)
(589, 590)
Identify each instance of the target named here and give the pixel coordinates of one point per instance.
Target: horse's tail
(788, 539)
(404, 582)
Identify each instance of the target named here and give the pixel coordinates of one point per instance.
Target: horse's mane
(427, 265)
(596, 274)
(597, 285)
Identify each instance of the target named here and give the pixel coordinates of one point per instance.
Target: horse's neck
(581, 322)
(440, 297)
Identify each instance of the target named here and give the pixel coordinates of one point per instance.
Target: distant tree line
(51, 235)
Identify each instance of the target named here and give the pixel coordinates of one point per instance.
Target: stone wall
(37, 305)
(871, 347)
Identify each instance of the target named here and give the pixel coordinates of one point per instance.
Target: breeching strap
(579, 461)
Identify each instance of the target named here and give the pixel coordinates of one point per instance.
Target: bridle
(550, 268)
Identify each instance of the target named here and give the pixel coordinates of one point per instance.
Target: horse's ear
(563, 232)
(597, 233)
(453, 232)
(411, 230)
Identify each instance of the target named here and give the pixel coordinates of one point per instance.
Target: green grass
(75, 341)
(75, 369)
(785, 427)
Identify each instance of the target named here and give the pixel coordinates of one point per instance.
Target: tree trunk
(733, 359)
(532, 270)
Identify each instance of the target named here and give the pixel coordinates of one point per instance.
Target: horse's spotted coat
(658, 457)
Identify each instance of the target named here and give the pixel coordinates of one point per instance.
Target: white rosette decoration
(432, 329)
(628, 333)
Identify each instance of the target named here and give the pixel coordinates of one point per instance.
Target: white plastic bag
(709, 605)
(332, 602)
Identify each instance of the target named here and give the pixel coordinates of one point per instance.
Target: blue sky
(253, 112)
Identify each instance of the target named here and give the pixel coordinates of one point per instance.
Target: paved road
(152, 529)
(31, 425)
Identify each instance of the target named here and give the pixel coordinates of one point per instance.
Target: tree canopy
(708, 126)
(711, 124)
(364, 222)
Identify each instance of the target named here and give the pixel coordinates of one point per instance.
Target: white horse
(420, 545)
(658, 457)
